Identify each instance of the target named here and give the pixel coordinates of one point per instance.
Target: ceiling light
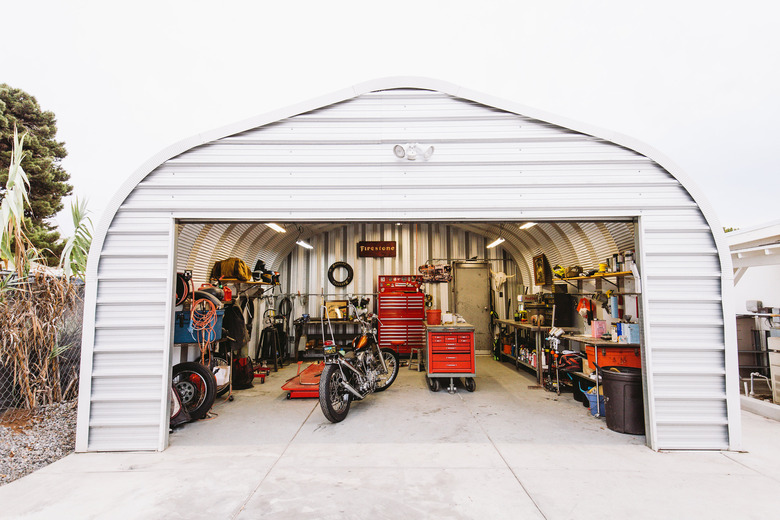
(528, 225)
(496, 242)
(305, 244)
(276, 227)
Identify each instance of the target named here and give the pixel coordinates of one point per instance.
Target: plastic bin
(601, 410)
(434, 317)
(624, 399)
(181, 327)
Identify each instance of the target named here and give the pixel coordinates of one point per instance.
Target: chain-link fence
(32, 377)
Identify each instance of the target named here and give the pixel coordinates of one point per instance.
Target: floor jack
(306, 383)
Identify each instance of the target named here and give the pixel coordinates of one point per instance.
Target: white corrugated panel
(334, 167)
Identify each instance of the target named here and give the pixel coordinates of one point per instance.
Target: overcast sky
(697, 80)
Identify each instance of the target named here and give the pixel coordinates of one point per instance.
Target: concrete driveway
(504, 451)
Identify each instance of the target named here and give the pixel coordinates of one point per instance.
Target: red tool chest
(401, 309)
(451, 352)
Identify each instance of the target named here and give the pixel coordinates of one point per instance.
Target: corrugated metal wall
(336, 164)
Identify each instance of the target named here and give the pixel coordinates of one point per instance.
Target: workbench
(538, 333)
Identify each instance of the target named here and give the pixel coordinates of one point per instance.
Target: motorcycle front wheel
(334, 400)
(392, 363)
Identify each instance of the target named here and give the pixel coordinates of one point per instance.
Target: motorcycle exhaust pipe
(352, 390)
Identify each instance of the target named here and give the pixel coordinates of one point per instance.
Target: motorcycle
(355, 371)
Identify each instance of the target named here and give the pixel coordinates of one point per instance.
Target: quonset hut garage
(441, 173)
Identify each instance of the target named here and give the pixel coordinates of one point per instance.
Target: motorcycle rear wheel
(392, 363)
(334, 400)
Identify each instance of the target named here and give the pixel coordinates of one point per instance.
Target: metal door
(471, 299)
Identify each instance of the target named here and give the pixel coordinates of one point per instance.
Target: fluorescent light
(276, 227)
(305, 244)
(496, 242)
(528, 225)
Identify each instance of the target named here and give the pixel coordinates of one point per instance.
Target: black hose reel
(344, 282)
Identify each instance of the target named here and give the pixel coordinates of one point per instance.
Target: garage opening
(558, 302)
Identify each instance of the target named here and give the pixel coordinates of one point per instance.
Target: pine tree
(48, 179)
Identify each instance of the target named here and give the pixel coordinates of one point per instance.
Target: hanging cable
(203, 319)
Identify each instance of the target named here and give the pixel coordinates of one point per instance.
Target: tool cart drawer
(461, 362)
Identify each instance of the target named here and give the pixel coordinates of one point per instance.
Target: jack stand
(451, 388)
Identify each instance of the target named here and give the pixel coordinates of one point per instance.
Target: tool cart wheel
(289, 395)
(433, 384)
(470, 384)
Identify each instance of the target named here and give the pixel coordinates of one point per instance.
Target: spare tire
(344, 282)
(202, 295)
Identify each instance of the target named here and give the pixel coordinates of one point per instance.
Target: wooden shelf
(596, 276)
(598, 341)
(237, 281)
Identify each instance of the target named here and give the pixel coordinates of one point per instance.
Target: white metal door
(471, 299)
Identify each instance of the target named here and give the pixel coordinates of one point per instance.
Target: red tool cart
(401, 309)
(450, 354)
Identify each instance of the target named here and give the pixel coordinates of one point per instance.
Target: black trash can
(623, 399)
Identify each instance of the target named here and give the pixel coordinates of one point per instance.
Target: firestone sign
(376, 249)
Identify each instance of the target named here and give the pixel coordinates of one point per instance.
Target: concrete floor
(504, 451)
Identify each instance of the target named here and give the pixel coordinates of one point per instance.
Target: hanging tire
(334, 400)
(393, 363)
(197, 386)
(344, 282)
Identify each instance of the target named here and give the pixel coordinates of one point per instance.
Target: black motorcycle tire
(334, 400)
(197, 386)
(392, 362)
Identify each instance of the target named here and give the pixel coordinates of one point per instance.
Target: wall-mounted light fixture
(276, 227)
(528, 225)
(412, 151)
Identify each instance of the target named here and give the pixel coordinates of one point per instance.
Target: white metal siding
(336, 164)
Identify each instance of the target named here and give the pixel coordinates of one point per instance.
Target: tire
(334, 400)
(393, 363)
(471, 385)
(433, 384)
(197, 387)
(344, 282)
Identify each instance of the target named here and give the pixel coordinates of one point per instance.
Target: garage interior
(514, 281)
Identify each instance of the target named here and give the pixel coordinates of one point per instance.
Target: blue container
(592, 400)
(183, 334)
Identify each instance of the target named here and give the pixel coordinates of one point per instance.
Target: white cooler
(773, 345)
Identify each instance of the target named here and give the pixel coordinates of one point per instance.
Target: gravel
(30, 441)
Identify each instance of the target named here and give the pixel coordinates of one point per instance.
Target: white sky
(698, 80)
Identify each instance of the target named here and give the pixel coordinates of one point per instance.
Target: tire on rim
(392, 363)
(334, 400)
(197, 386)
